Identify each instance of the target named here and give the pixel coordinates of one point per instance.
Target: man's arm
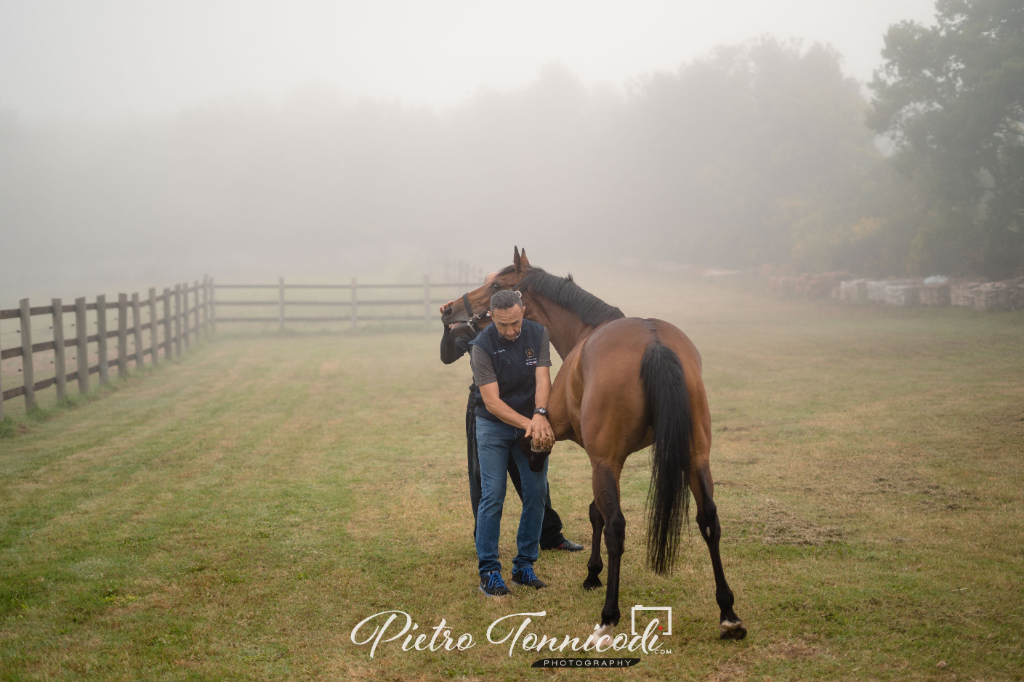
(500, 409)
(542, 432)
(487, 382)
(454, 347)
(540, 426)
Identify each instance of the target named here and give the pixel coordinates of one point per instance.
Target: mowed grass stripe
(177, 493)
(236, 514)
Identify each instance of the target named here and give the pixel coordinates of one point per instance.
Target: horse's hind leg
(595, 566)
(606, 498)
(710, 529)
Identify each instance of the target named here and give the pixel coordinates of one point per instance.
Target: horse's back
(625, 341)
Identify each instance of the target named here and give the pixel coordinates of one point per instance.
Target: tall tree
(951, 96)
(756, 154)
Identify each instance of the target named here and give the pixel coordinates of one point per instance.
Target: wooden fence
(180, 322)
(353, 302)
(181, 325)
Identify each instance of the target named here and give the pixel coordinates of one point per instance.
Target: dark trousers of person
(551, 526)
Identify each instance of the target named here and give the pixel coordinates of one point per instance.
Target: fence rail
(189, 321)
(353, 303)
(177, 317)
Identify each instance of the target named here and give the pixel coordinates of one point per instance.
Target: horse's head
(474, 305)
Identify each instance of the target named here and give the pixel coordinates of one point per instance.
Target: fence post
(177, 320)
(426, 297)
(184, 314)
(280, 304)
(137, 329)
(83, 346)
(59, 366)
(206, 307)
(355, 314)
(26, 356)
(101, 336)
(154, 325)
(213, 306)
(122, 336)
(195, 307)
(168, 342)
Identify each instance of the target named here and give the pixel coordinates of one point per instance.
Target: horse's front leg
(730, 625)
(595, 566)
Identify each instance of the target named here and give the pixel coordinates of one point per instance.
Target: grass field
(234, 515)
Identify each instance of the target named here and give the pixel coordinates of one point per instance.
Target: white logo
(666, 630)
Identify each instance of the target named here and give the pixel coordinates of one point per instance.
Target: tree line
(758, 153)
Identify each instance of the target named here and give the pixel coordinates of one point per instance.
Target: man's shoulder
(533, 330)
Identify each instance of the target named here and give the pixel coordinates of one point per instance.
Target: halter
(473, 319)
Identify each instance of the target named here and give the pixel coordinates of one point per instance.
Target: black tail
(668, 497)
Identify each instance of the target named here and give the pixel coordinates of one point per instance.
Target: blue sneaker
(527, 577)
(492, 585)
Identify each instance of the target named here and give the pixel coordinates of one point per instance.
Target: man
(452, 348)
(511, 369)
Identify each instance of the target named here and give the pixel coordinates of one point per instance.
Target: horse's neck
(565, 329)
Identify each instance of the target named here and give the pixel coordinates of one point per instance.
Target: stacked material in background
(875, 291)
(962, 293)
(937, 290)
(902, 293)
(934, 294)
(818, 284)
(934, 290)
(1017, 294)
(1005, 295)
(783, 286)
(808, 284)
(992, 296)
(891, 291)
(853, 291)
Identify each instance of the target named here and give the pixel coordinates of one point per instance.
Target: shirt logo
(531, 357)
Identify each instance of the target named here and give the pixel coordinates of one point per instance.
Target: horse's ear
(516, 261)
(523, 260)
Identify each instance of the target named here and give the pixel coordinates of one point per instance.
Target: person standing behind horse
(511, 361)
(452, 348)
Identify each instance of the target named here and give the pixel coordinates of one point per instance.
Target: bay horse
(625, 383)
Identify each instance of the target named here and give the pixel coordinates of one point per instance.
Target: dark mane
(564, 292)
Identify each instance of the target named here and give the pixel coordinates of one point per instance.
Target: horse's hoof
(591, 585)
(602, 636)
(732, 630)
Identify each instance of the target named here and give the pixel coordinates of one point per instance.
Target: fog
(111, 58)
(150, 141)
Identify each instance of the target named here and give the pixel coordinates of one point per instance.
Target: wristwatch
(541, 410)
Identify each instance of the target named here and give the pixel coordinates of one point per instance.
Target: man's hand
(449, 304)
(540, 429)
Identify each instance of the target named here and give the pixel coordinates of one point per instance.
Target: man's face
(509, 321)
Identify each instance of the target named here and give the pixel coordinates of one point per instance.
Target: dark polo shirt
(512, 364)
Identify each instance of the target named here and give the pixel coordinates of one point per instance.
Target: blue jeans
(495, 440)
